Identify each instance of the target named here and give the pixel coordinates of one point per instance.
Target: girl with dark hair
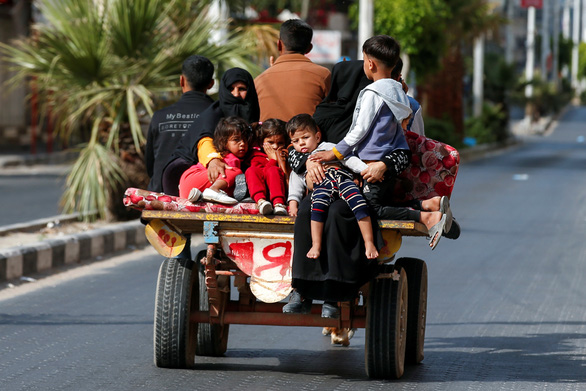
(231, 139)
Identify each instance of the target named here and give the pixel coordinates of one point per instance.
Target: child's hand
(293, 208)
(283, 153)
(323, 156)
(315, 173)
(216, 169)
(270, 151)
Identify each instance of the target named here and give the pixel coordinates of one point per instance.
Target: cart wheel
(416, 270)
(174, 335)
(212, 339)
(386, 321)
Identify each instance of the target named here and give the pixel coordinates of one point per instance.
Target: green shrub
(442, 130)
(545, 100)
(489, 127)
(583, 98)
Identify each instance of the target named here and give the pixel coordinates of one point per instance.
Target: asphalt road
(33, 192)
(506, 306)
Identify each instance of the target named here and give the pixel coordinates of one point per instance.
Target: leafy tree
(582, 60)
(434, 33)
(417, 24)
(443, 90)
(102, 68)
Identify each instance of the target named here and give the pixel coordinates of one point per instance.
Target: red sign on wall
(532, 3)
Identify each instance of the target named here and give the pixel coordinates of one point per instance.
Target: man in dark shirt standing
(171, 123)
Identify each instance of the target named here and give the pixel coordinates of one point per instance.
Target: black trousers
(342, 267)
(378, 195)
(172, 174)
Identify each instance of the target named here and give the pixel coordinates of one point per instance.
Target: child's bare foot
(430, 218)
(313, 252)
(371, 251)
(432, 204)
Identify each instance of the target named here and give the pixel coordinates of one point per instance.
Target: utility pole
(566, 20)
(530, 61)
(304, 9)
(583, 19)
(365, 25)
(510, 43)
(556, 45)
(545, 46)
(219, 12)
(576, 42)
(478, 79)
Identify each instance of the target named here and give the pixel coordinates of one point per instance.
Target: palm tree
(102, 68)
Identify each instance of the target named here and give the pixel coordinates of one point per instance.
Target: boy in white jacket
(376, 136)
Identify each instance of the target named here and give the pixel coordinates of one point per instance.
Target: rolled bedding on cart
(149, 200)
(432, 171)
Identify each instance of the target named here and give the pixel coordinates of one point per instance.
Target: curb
(16, 262)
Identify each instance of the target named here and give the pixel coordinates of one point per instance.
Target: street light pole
(545, 46)
(365, 25)
(556, 45)
(530, 61)
(477, 83)
(510, 43)
(576, 42)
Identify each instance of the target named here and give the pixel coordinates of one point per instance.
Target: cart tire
(386, 322)
(176, 298)
(416, 270)
(212, 339)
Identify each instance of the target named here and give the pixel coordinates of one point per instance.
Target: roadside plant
(491, 126)
(101, 68)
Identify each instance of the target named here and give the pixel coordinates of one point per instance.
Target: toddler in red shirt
(266, 175)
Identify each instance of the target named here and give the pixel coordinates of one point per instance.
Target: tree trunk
(132, 163)
(442, 92)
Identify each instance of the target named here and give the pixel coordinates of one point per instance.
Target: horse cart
(251, 254)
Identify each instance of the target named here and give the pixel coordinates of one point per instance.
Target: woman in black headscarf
(236, 97)
(334, 114)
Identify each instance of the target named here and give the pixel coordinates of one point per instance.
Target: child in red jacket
(265, 176)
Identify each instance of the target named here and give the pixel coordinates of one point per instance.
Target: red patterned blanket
(149, 200)
(432, 172)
